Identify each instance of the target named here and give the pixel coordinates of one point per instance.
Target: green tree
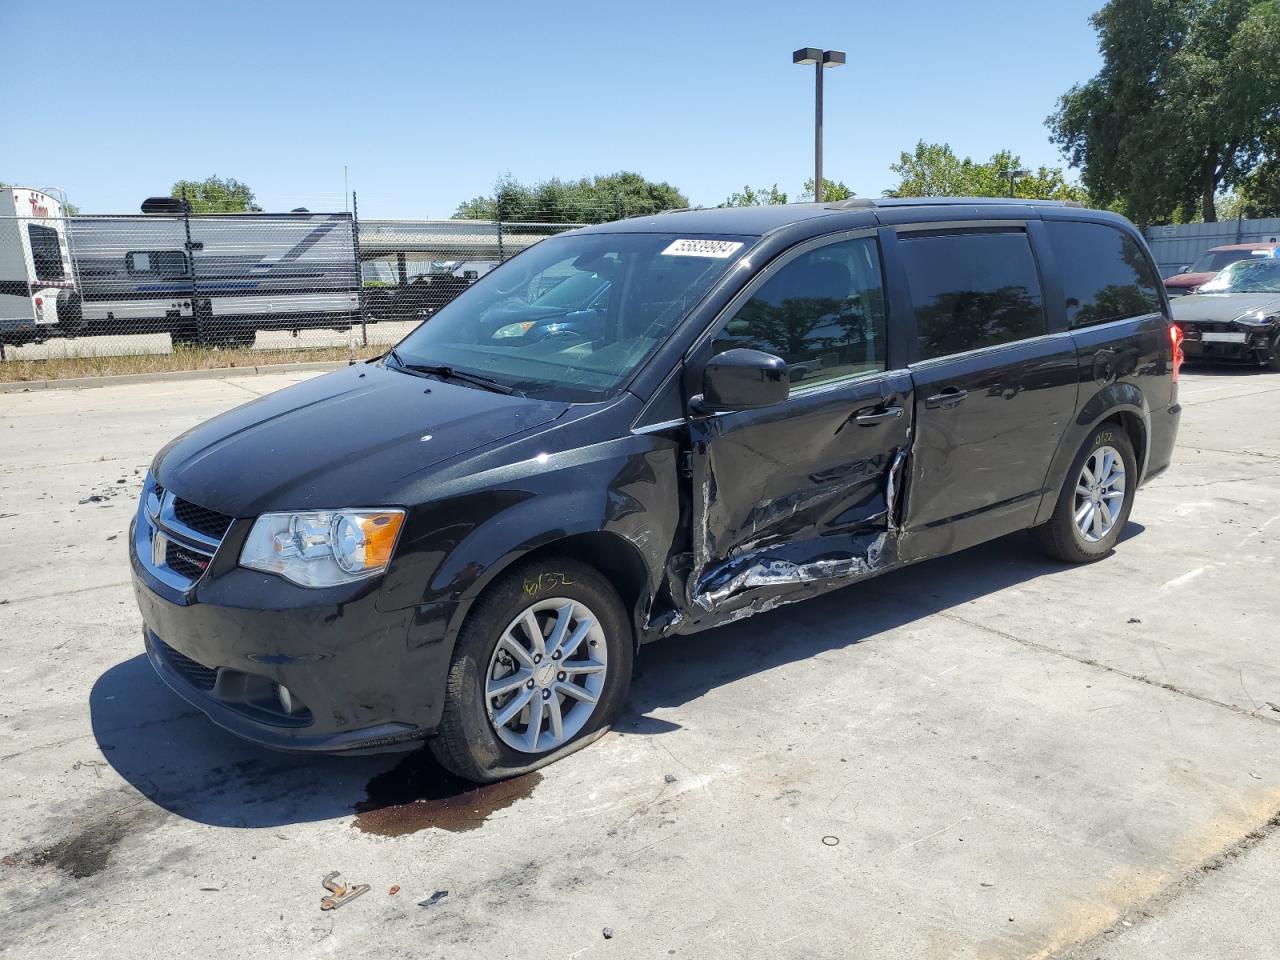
(1258, 194)
(587, 200)
(747, 197)
(934, 170)
(477, 208)
(832, 190)
(217, 195)
(1187, 94)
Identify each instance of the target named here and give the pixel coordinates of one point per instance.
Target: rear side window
(823, 313)
(164, 263)
(972, 290)
(1106, 275)
(46, 253)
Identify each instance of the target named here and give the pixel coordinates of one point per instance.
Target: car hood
(1220, 307)
(1181, 280)
(349, 438)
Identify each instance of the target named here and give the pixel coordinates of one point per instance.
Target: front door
(994, 390)
(797, 498)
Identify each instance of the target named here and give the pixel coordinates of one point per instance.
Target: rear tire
(494, 686)
(1092, 510)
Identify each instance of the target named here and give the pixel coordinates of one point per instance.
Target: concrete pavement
(985, 756)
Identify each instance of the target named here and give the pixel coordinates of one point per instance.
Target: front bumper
(1229, 341)
(359, 678)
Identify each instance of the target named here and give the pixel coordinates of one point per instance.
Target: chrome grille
(188, 563)
(176, 539)
(209, 522)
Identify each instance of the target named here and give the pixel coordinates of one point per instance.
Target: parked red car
(1208, 264)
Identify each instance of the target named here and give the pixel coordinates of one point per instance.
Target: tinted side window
(164, 263)
(1105, 274)
(823, 313)
(46, 253)
(972, 290)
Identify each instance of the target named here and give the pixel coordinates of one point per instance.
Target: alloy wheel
(546, 675)
(1099, 494)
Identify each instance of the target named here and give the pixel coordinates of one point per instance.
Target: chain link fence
(316, 283)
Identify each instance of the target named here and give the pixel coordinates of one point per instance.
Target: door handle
(877, 415)
(947, 399)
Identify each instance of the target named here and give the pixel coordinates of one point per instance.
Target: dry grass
(198, 358)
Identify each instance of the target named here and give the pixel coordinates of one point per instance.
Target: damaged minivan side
(468, 540)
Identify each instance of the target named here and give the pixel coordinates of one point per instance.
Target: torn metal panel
(797, 545)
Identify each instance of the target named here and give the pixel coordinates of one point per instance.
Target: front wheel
(541, 668)
(1095, 501)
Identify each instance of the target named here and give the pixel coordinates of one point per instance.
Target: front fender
(479, 525)
(1107, 401)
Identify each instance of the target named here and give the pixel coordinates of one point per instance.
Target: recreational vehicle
(237, 274)
(38, 297)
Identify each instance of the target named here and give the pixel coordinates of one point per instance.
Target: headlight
(514, 330)
(323, 548)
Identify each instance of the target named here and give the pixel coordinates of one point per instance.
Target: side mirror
(743, 379)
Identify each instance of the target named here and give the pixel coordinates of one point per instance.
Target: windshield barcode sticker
(717, 249)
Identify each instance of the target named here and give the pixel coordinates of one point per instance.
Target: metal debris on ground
(340, 893)
(670, 778)
(608, 933)
(830, 841)
(1134, 620)
(435, 898)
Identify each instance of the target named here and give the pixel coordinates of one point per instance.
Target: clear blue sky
(428, 103)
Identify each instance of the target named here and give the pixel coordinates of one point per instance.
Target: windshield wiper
(448, 373)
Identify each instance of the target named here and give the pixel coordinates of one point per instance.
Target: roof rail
(853, 203)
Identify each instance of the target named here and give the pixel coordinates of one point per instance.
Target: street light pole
(820, 59)
(1014, 175)
(817, 134)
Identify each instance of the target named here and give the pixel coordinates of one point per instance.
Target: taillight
(1175, 335)
(39, 301)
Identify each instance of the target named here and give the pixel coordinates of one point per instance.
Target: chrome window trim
(966, 226)
(994, 348)
(1136, 318)
(659, 427)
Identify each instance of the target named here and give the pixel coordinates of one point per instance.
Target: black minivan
(468, 539)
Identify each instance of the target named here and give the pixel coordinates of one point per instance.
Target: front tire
(541, 668)
(1095, 500)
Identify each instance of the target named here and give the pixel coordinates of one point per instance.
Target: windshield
(1246, 276)
(1213, 261)
(573, 316)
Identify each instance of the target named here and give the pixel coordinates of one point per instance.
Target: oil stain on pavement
(418, 793)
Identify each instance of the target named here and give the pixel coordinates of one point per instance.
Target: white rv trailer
(38, 297)
(242, 273)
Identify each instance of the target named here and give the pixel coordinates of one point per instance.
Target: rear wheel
(1095, 500)
(541, 668)
(70, 313)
